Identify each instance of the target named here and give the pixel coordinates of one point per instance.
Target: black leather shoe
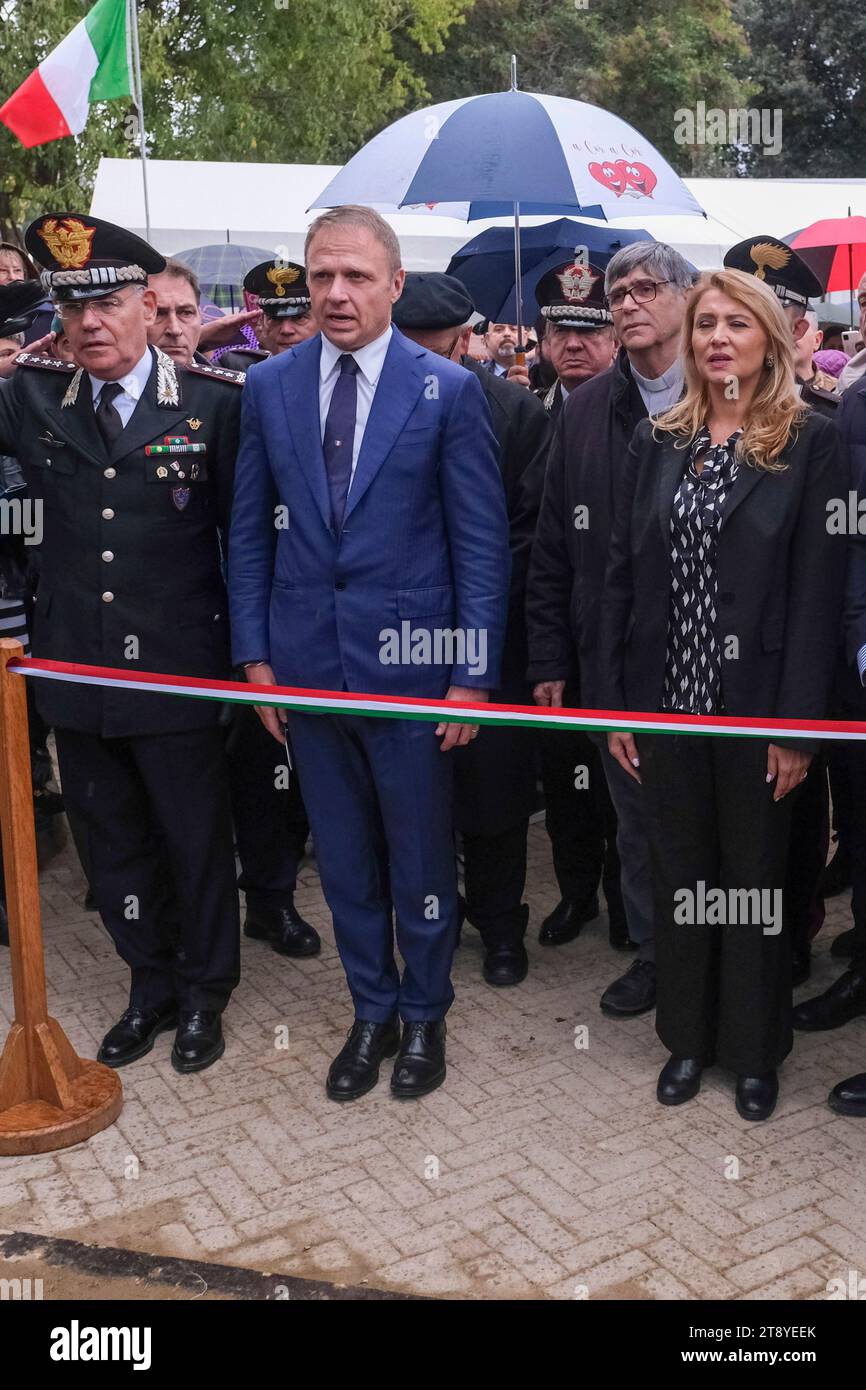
(420, 1067)
(355, 1069)
(633, 993)
(284, 929)
(757, 1095)
(565, 921)
(801, 965)
(849, 1097)
(844, 945)
(199, 1041)
(844, 1000)
(506, 964)
(837, 875)
(134, 1034)
(679, 1080)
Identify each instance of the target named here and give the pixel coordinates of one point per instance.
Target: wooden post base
(73, 1099)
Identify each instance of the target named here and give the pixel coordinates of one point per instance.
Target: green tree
(289, 81)
(809, 62)
(643, 59)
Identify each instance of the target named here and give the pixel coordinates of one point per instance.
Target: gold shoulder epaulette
(218, 373)
(37, 359)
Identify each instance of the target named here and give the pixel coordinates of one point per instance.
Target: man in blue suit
(369, 552)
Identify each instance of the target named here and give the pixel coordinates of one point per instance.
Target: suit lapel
(398, 388)
(747, 479)
(158, 410)
(75, 423)
(300, 387)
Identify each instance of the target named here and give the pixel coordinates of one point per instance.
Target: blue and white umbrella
(513, 152)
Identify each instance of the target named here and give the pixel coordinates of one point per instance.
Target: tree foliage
(294, 81)
(643, 59)
(809, 62)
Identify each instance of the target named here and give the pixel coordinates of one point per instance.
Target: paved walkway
(539, 1170)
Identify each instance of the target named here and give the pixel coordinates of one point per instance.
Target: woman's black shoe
(757, 1096)
(679, 1080)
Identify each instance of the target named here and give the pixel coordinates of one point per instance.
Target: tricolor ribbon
(306, 701)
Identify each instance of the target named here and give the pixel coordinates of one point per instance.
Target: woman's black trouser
(724, 970)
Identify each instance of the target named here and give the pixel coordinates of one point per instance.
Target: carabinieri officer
(132, 459)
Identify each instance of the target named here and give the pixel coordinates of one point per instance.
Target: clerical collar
(655, 385)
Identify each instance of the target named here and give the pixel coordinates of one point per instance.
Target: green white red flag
(91, 64)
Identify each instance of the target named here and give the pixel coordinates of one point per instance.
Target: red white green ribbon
(307, 701)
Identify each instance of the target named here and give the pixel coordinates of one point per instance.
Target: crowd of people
(652, 514)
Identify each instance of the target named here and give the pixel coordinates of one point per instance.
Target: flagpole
(138, 97)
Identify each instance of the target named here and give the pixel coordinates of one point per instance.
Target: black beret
(85, 258)
(779, 266)
(281, 287)
(431, 299)
(18, 300)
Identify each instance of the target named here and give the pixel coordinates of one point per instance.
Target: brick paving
(541, 1169)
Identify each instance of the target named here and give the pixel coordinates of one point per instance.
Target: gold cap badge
(765, 254)
(280, 276)
(68, 240)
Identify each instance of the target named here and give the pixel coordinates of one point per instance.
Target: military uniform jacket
(131, 561)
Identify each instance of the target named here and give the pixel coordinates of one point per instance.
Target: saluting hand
(220, 332)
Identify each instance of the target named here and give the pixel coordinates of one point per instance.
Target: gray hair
(660, 260)
(354, 215)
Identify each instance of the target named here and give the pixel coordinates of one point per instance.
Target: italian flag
(90, 64)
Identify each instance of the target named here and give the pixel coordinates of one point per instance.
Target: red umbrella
(840, 244)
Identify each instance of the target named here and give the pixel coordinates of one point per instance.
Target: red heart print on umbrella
(639, 176)
(610, 174)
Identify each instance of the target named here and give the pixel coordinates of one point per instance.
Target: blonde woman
(723, 597)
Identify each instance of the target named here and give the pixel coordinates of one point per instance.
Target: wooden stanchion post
(49, 1096)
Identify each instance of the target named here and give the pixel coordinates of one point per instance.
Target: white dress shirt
(133, 385)
(370, 359)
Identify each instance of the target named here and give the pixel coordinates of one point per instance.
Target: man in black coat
(794, 283)
(270, 821)
(579, 816)
(131, 461)
(846, 997)
(494, 775)
(647, 286)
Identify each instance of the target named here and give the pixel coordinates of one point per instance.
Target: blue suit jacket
(424, 544)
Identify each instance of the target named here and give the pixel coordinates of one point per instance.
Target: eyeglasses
(642, 292)
(105, 308)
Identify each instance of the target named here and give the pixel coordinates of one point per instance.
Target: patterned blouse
(693, 669)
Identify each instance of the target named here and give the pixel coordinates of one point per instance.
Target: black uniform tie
(107, 414)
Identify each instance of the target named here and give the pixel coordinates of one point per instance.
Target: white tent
(193, 203)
